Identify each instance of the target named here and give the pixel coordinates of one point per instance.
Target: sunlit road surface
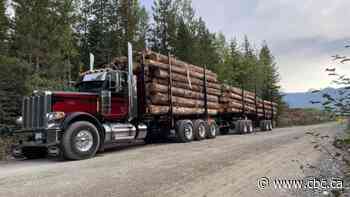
(229, 165)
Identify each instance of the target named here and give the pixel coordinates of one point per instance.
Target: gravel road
(226, 166)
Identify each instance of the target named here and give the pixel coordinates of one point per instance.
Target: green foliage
(164, 27)
(37, 82)
(43, 37)
(13, 76)
(4, 25)
(107, 26)
(50, 41)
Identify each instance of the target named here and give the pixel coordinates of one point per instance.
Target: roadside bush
(6, 140)
(295, 117)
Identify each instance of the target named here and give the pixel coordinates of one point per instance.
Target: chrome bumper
(45, 139)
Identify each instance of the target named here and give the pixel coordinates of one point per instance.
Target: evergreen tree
(235, 63)
(4, 24)
(186, 31)
(164, 26)
(43, 36)
(133, 20)
(270, 88)
(99, 35)
(248, 70)
(13, 77)
(143, 29)
(205, 51)
(82, 29)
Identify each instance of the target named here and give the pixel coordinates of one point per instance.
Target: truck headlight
(55, 116)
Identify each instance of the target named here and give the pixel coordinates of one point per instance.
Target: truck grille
(34, 110)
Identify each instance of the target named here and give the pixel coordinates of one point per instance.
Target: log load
(232, 101)
(187, 90)
(151, 55)
(156, 109)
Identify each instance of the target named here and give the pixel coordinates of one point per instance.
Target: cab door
(117, 85)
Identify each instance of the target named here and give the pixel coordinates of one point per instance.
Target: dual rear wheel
(266, 125)
(187, 130)
(244, 126)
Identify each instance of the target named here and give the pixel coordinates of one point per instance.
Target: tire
(270, 125)
(263, 125)
(242, 126)
(200, 129)
(250, 126)
(238, 127)
(80, 141)
(184, 131)
(212, 130)
(267, 125)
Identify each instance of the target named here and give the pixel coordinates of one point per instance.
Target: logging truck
(130, 100)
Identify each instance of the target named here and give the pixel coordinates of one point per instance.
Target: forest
(45, 44)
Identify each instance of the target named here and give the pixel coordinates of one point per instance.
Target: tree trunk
(157, 88)
(181, 70)
(156, 109)
(165, 59)
(182, 78)
(163, 99)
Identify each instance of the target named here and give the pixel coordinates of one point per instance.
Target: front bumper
(48, 139)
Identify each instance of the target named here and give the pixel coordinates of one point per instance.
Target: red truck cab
(76, 125)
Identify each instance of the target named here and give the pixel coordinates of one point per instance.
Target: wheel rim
(188, 131)
(213, 130)
(245, 128)
(84, 141)
(201, 131)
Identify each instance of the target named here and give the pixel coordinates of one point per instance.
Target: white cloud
(303, 34)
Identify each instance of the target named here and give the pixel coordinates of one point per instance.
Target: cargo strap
(188, 77)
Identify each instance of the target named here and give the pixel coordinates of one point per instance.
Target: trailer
(139, 98)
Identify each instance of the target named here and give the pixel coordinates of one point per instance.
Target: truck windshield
(92, 82)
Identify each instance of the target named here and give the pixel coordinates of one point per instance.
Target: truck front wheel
(80, 141)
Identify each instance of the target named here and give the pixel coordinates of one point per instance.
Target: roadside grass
(5, 145)
(6, 140)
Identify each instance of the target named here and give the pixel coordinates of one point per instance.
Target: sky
(302, 34)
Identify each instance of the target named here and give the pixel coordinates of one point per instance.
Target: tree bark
(165, 59)
(184, 85)
(157, 88)
(163, 99)
(181, 70)
(156, 109)
(182, 78)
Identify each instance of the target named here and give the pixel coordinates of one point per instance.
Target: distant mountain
(303, 99)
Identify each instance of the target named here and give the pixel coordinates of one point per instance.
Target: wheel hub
(213, 130)
(201, 131)
(188, 131)
(84, 141)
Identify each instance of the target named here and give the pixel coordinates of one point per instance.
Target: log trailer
(127, 101)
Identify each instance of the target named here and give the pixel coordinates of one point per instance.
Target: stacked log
(188, 90)
(235, 100)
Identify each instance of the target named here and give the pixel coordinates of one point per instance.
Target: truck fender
(83, 116)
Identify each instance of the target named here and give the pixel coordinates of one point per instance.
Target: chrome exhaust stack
(131, 86)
